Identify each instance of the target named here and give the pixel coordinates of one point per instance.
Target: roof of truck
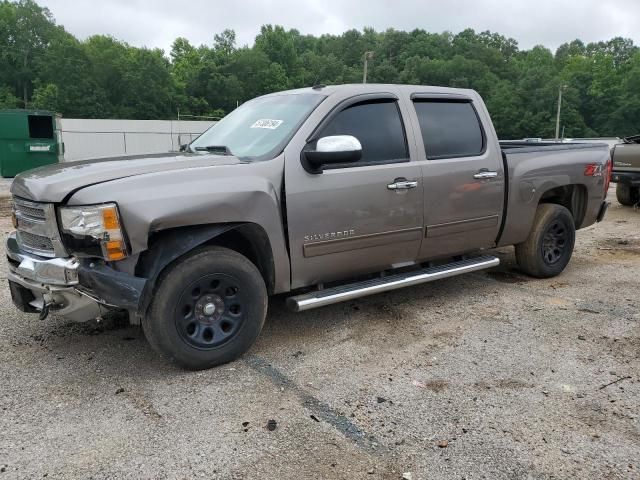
(356, 88)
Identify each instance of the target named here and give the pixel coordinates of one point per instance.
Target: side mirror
(184, 147)
(330, 150)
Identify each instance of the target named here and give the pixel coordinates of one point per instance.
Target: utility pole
(367, 56)
(559, 109)
(179, 139)
(24, 84)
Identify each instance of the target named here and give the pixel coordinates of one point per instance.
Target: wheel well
(250, 240)
(168, 246)
(572, 197)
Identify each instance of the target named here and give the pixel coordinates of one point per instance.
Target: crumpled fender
(134, 293)
(211, 196)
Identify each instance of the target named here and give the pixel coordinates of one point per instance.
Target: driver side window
(378, 126)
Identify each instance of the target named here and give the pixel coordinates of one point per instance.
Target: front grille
(30, 211)
(34, 242)
(36, 227)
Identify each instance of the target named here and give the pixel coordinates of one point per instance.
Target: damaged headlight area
(93, 230)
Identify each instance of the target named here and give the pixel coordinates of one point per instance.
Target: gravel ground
(5, 186)
(491, 375)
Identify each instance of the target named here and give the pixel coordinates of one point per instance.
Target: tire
(627, 195)
(208, 309)
(548, 249)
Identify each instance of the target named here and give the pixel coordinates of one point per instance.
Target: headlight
(100, 224)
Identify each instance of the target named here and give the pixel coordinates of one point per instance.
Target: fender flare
(167, 247)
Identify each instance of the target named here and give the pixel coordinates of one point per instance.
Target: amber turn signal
(110, 218)
(114, 250)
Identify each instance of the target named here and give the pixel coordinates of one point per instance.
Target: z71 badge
(314, 237)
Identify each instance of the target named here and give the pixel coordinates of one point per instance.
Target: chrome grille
(29, 211)
(29, 241)
(36, 228)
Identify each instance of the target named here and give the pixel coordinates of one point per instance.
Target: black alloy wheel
(554, 242)
(210, 311)
(208, 308)
(548, 248)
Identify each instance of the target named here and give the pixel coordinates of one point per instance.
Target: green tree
(7, 98)
(43, 65)
(64, 81)
(26, 30)
(279, 47)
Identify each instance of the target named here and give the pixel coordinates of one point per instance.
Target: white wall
(97, 138)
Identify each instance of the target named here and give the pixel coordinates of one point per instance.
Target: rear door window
(40, 126)
(450, 129)
(378, 126)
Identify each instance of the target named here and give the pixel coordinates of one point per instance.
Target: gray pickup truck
(626, 170)
(324, 194)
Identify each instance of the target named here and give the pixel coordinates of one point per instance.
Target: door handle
(483, 174)
(402, 185)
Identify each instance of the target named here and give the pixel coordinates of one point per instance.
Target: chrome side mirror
(332, 149)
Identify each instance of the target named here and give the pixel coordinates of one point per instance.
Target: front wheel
(208, 309)
(548, 249)
(627, 195)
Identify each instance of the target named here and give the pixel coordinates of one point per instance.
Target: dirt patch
(508, 277)
(142, 403)
(436, 385)
(512, 383)
(111, 321)
(503, 383)
(6, 206)
(559, 302)
(623, 348)
(444, 335)
(620, 246)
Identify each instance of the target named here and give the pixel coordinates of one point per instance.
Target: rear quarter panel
(532, 173)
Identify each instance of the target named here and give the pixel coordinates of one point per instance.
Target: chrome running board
(320, 298)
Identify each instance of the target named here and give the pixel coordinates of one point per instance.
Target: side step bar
(320, 298)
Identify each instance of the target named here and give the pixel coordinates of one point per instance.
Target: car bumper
(37, 283)
(76, 289)
(628, 178)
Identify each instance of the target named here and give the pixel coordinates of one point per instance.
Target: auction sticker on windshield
(267, 123)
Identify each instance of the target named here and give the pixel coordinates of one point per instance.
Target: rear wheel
(209, 308)
(627, 195)
(548, 249)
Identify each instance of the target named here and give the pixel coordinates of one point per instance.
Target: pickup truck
(324, 194)
(626, 170)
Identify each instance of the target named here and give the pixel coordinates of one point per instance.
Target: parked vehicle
(626, 170)
(327, 193)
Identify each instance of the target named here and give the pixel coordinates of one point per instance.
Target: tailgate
(626, 157)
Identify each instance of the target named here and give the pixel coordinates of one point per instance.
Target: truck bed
(519, 146)
(533, 170)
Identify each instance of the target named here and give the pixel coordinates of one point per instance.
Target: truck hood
(54, 183)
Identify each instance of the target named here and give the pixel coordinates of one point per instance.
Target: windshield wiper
(218, 149)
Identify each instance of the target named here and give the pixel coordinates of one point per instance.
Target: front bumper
(54, 271)
(35, 282)
(79, 290)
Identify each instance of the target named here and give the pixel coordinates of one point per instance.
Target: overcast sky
(531, 22)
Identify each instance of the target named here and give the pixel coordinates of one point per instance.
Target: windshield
(258, 129)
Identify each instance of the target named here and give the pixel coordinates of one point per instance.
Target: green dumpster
(28, 139)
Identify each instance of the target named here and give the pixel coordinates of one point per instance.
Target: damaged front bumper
(78, 290)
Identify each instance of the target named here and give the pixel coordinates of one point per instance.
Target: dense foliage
(42, 65)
